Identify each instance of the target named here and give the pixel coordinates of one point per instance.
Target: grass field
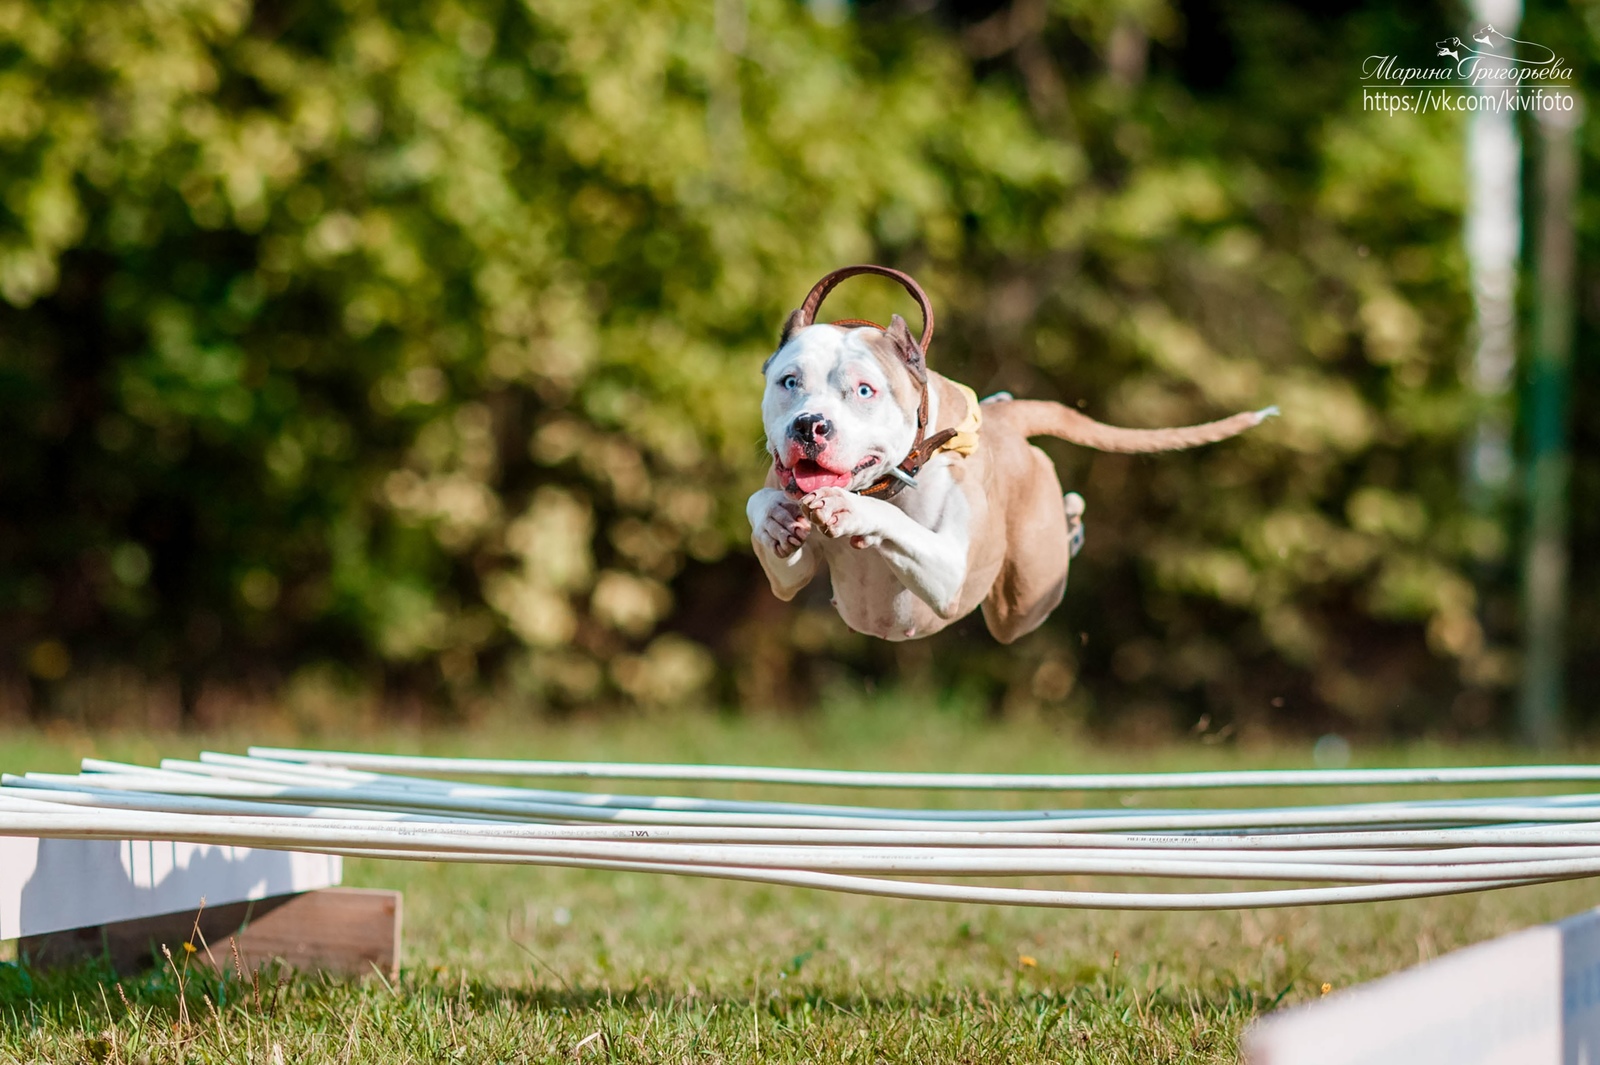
(515, 965)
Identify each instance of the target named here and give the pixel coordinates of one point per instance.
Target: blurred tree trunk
(1494, 241)
(1546, 565)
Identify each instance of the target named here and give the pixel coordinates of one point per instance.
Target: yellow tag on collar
(966, 439)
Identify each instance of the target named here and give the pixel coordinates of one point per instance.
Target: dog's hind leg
(1038, 551)
(1072, 504)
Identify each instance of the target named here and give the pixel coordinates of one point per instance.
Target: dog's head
(841, 403)
(1450, 46)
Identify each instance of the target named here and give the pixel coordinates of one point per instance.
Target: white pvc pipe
(256, 769)
(891, 845)
(1501, 811)
(95, 828)
(492, 839)
(81, 791)
(1259, 778)
(964, 893)
(1386, 813)
(1369, 851)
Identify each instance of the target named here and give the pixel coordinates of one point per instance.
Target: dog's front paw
(838, 514)
(785, 528)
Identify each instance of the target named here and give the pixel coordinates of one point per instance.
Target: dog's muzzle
(811, 432)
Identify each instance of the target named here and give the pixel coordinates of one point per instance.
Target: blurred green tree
(424, 337)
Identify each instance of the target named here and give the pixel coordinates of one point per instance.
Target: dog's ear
(791, 326)
(910, 354)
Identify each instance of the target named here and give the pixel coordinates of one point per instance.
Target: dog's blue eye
(865, 391)
(789, 381)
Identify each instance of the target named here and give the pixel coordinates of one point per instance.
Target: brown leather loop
(819, 292)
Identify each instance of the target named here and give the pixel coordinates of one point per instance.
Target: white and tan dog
(920, 502)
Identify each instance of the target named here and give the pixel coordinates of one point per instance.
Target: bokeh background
(401, 359)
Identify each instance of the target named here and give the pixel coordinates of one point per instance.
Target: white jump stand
(70, 899)
(1528, 998)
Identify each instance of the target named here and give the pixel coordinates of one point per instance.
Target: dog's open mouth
(808, 475)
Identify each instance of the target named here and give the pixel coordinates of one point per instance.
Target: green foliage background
(424, 338)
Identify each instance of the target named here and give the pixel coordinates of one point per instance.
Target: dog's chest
(867, 593)
(871, 600)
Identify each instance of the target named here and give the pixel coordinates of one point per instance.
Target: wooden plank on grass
(134, 945)
(345, 930)
(350, 931)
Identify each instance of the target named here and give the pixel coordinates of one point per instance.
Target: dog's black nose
(811, 427)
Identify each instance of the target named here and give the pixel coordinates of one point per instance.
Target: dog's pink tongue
(810, 476)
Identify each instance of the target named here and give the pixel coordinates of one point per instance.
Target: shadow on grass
(312, 1019)
(177, 990)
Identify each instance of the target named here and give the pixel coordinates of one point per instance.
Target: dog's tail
(1041, 418)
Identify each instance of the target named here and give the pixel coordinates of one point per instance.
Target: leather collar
(922, 449)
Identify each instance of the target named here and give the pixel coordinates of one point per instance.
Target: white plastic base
(1528, 998)
(52, 885)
